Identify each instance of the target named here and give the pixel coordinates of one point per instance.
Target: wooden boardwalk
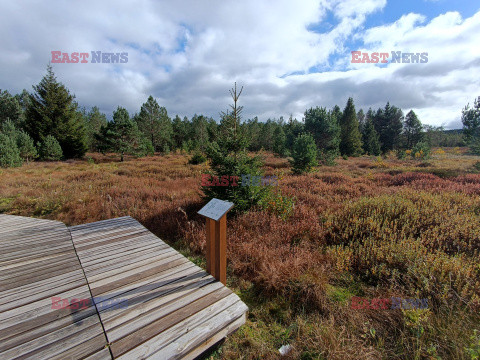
(152, 301)
(38, 262)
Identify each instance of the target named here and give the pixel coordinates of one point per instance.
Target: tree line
(48, 124)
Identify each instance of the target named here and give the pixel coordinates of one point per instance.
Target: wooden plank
(159, 326)
(45, 328)
(125, 260)
(23, 262)
(163, 307)
(214, 339)
(155, 295)
(126, 268)
(103, 354)
(168, 331)
(160, 279)
(52, 337)
(140, 241)
(38, 262)
(163, 290)
(45, 293)
(107, 285)
(24, 288)
(193, 343)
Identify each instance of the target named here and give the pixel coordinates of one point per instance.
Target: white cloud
(188, 54)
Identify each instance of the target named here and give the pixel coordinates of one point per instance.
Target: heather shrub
(278, 204)
(414, 240)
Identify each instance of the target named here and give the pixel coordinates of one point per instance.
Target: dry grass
(370, 227)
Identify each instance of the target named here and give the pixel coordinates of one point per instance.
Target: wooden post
(210, 224)
(221, 250)
(216, 224)
(217, 248)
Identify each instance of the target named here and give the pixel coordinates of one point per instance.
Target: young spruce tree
(228, 157)
(351, 138)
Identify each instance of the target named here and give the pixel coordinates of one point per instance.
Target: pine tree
(371, 143)
(304, 154)
(324, 127)
(94, 121)
(350, 136)
(412, 130)
(10, 109)
(388, 124)
(362, 120)
(293, 128)
(154, 123)
(9, 153)
(122, 136)
(279, 141)
(53, 111)
(471, 125)
(181, 130)
(199, 132)
(50, 149)
(26, 146)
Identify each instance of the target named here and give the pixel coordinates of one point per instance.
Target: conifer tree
(388, 124)
(154, 123)
(324, 127)
(123, 137)
(10, 109)
(228, 157)
(53, 111)
(412, 130)
(471, 125)
(350, 136)
(26, 146)
(9, 153)
(371, 143)
(50, 149)
(279, 141)
(94, 121)
(304, 154)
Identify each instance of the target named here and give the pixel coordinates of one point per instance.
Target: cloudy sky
(289, 55)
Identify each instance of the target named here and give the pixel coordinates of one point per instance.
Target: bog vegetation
(370, 227)
(368, 204)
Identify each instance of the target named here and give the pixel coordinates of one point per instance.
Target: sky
(288, 55)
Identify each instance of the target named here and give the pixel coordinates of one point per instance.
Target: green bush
(304, 154)
(50, 149)
(9, 153)
(476, 166)
(26, 146)
(278, 204)
(197, 158)
(421, 151)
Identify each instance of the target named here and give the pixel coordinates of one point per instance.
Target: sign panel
(215, 209)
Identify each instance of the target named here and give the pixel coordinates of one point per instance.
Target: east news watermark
(245, 180)
(100, 302)
(97, 57)
(388, 303)
(397, 57)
